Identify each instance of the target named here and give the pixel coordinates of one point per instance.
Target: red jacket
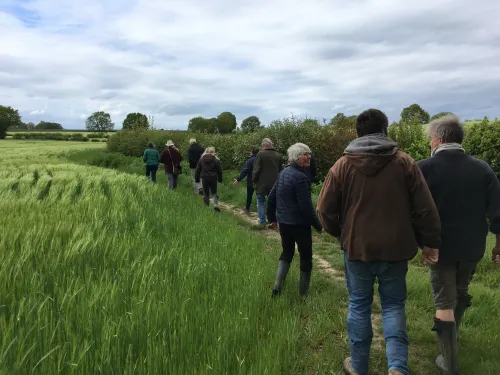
(170, 157)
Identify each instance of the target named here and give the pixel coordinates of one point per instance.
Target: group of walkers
(381, 206)
(204, 164)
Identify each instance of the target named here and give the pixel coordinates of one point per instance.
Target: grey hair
(296, 150)
(192, 141)
(447, 128)
(266, 142)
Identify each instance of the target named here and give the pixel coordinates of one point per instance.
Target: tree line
(224, 123)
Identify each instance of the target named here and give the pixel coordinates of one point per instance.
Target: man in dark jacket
(194, 154)
(466, 192)
(247, 172)
(368, 201)
(267, 166)
(290, 205)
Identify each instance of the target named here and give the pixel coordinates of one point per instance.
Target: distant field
(56, 131)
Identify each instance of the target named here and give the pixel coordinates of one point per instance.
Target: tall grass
(103, 273)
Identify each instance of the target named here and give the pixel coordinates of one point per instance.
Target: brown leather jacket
(377, 201)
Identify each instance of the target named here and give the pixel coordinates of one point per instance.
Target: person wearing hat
(171, 159)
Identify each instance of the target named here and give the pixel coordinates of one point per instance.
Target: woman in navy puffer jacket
(290, 205)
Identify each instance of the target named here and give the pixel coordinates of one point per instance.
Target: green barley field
(105, 273)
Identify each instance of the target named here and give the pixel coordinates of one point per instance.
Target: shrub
(93, 135)
(411, 138)
(483, 141)
(326, 142)
(95, 140)
(85, 139)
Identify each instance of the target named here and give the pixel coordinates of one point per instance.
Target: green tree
(226, 122)
(198, 124)
(250, 124)
(44, 125)
(29, 125)
(411, 137)
(9, 117)
(440, 114)
(341, 121)
(408, 113)
(483, 142)
(135, 121)
(99, 122)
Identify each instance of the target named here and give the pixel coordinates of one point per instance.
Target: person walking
(194, 154)
(290, 205)
(267, 166)
(247, 172)
(376, 202)
(171, 158)
(151, 158)
(209, 170)
(466, 192)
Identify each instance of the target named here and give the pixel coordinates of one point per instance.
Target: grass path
(322, 338)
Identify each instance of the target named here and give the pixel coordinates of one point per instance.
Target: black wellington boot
(305, 279)
(447, 362)
(463, 303)
(281, 273)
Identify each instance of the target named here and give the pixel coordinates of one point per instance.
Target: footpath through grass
(323, 340)
(105, 273)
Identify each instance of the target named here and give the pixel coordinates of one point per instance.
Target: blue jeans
(360, 277)
(172, 181)
(261, 208)
(151, 170)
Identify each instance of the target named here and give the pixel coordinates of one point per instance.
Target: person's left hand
(429, 256)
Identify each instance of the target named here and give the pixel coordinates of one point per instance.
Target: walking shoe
(247, 211)
(217, 209)
(348, 369)
(395, 372)
(281, 273)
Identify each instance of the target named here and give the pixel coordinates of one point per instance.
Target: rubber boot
(305, 279)
(447, 362)
(281, 273)
(463, 303)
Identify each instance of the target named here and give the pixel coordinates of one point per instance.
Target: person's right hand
(235, 182)
(429, 256)
(495, 254)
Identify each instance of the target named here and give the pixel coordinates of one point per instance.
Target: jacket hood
(371, 153)
(208, 161)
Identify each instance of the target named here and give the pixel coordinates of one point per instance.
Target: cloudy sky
(61, 60)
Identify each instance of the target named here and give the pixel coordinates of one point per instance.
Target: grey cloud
(337, 52)
(208, 109)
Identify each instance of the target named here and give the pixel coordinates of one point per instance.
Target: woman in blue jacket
(290, 205)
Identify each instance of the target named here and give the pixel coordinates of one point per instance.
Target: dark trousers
(209, 186)
(250, 191)
(300, 235)
(151, 170)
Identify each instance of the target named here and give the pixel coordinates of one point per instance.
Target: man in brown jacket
(266, 168)
(376, 202)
